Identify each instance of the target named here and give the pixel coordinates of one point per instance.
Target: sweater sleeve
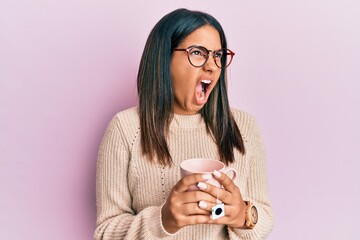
(115, 217)
(257, 192)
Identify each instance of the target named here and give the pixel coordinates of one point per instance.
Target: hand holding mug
(182, 206)
(220, 186)
(188, 204)
(230, 196)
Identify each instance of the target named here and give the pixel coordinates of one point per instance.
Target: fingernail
(202, 185)
(218, 201)
(217, 173)
(202, 204)
(207, 176)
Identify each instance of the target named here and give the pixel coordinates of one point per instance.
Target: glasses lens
(223, 57)
(197, 56)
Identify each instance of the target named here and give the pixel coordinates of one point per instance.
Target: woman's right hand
(182, 207)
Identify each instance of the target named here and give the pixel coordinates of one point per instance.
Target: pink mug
(204, 166)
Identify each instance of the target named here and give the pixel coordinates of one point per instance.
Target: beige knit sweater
(130, 190)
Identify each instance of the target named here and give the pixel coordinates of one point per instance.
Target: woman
(183, 113)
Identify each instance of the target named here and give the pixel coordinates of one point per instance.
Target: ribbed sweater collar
(187, 121)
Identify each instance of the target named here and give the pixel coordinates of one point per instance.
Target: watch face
(254, 215)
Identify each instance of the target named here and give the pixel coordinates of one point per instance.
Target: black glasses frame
(225, 50)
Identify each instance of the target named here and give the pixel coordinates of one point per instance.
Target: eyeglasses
(199, 55)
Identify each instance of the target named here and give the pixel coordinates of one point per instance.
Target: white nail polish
(207, 176)
(217, 173)
(202, 204)
(202, 185)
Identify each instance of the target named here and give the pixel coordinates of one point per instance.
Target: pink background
(66, 67)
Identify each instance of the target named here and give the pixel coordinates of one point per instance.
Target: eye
(198, 52)
(218, 54)
(195, 52)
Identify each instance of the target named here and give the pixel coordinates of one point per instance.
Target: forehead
(206, 36)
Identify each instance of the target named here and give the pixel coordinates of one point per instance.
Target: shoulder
(246, 122)
(242, 117)
(129, 117)
(126, 122)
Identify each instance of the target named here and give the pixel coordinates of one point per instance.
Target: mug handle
(230, 169)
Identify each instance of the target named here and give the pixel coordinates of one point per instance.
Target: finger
(224, 180)
(183, 184)
(194, 209)
(206, 205)
(217, 193)
(196, 219)
(222, 221)
(196, 196)
(183, 220)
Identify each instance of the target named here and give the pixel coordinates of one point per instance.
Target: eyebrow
(204, 47)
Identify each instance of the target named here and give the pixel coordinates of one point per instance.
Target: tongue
(200, 94)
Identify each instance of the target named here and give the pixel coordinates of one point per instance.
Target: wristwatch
(251, 215)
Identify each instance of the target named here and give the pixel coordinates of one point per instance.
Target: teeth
(206, 81)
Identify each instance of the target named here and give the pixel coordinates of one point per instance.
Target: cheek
(183, 77)
(181, 86)
(217, 75)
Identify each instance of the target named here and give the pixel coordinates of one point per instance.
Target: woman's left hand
(231, 197)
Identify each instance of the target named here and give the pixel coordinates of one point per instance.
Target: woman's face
(191, 85)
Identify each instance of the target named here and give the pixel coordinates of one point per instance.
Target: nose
(210, 65)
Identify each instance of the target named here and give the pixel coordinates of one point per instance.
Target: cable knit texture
(130, 190)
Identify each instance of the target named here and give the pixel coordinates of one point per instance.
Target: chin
(187, 109)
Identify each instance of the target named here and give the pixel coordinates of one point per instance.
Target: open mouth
(204, 85)
(201, 91)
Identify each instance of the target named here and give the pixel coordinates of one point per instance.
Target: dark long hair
(155, 91)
